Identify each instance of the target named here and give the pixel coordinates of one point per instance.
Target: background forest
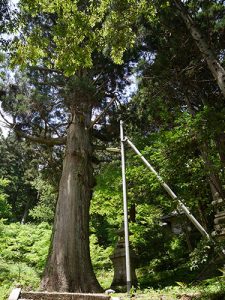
(173, 110)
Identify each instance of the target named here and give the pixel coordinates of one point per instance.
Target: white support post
(126, 227)
(170, 192)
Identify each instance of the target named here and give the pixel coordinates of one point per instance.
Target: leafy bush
(100, 256)
(25, 244)
(44, 210)
(200, 255)
(23, 252)
(16, 274)
(5, 208)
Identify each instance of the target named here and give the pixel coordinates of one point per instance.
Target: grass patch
(105, 278)
(16, 274)
(210, 289)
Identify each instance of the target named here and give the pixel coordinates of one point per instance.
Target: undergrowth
(24, 248)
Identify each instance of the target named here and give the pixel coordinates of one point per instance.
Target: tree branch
(108, 149)
(35, 139)
(40, 139)
(102, 113)
(39, 68)
(204, 47)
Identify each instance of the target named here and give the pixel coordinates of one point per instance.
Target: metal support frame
(181, 205)
(170, 192)
(126, 227)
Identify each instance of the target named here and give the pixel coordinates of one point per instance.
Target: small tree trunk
(213, 177)
(184, 226)
(213, 63)
(214, 180)
(69, 266)
(26, 211)
(132, 213)
(203, 218)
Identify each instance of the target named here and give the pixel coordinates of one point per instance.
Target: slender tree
(205, 48)
(19, 166)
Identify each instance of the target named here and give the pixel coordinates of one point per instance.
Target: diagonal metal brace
(170, 192)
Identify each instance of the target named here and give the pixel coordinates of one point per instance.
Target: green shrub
(5, 208)
(100, 256)
(23, 252)
(25, 244)
(16, 274)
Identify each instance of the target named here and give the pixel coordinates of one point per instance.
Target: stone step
(17, 294)
(63, 296)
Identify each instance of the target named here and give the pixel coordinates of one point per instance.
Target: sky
(4, 129)
(14, 1)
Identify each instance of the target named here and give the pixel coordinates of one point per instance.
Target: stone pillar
(119, 264)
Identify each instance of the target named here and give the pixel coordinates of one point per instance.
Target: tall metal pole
(126, 227)
(170, 192)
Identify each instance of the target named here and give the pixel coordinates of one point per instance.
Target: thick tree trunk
(69, 266)
(207, 52)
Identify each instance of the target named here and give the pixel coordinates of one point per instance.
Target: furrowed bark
(69, 266)
(208, 54)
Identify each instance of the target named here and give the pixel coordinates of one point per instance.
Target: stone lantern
(219, 219)
(173, 222)
(119, 264)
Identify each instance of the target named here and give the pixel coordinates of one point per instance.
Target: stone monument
(119, 263)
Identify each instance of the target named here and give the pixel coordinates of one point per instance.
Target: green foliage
(100, 255)
(201, 254)
(23, 251)
(18, 167)
(5, 208)
(14, 274)
(80, 30)
(44, 210)
(158, 279)
(119, 36)
(25, 244)
(107, 194)
(148, 201)
(105, 277)
(211, 289)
